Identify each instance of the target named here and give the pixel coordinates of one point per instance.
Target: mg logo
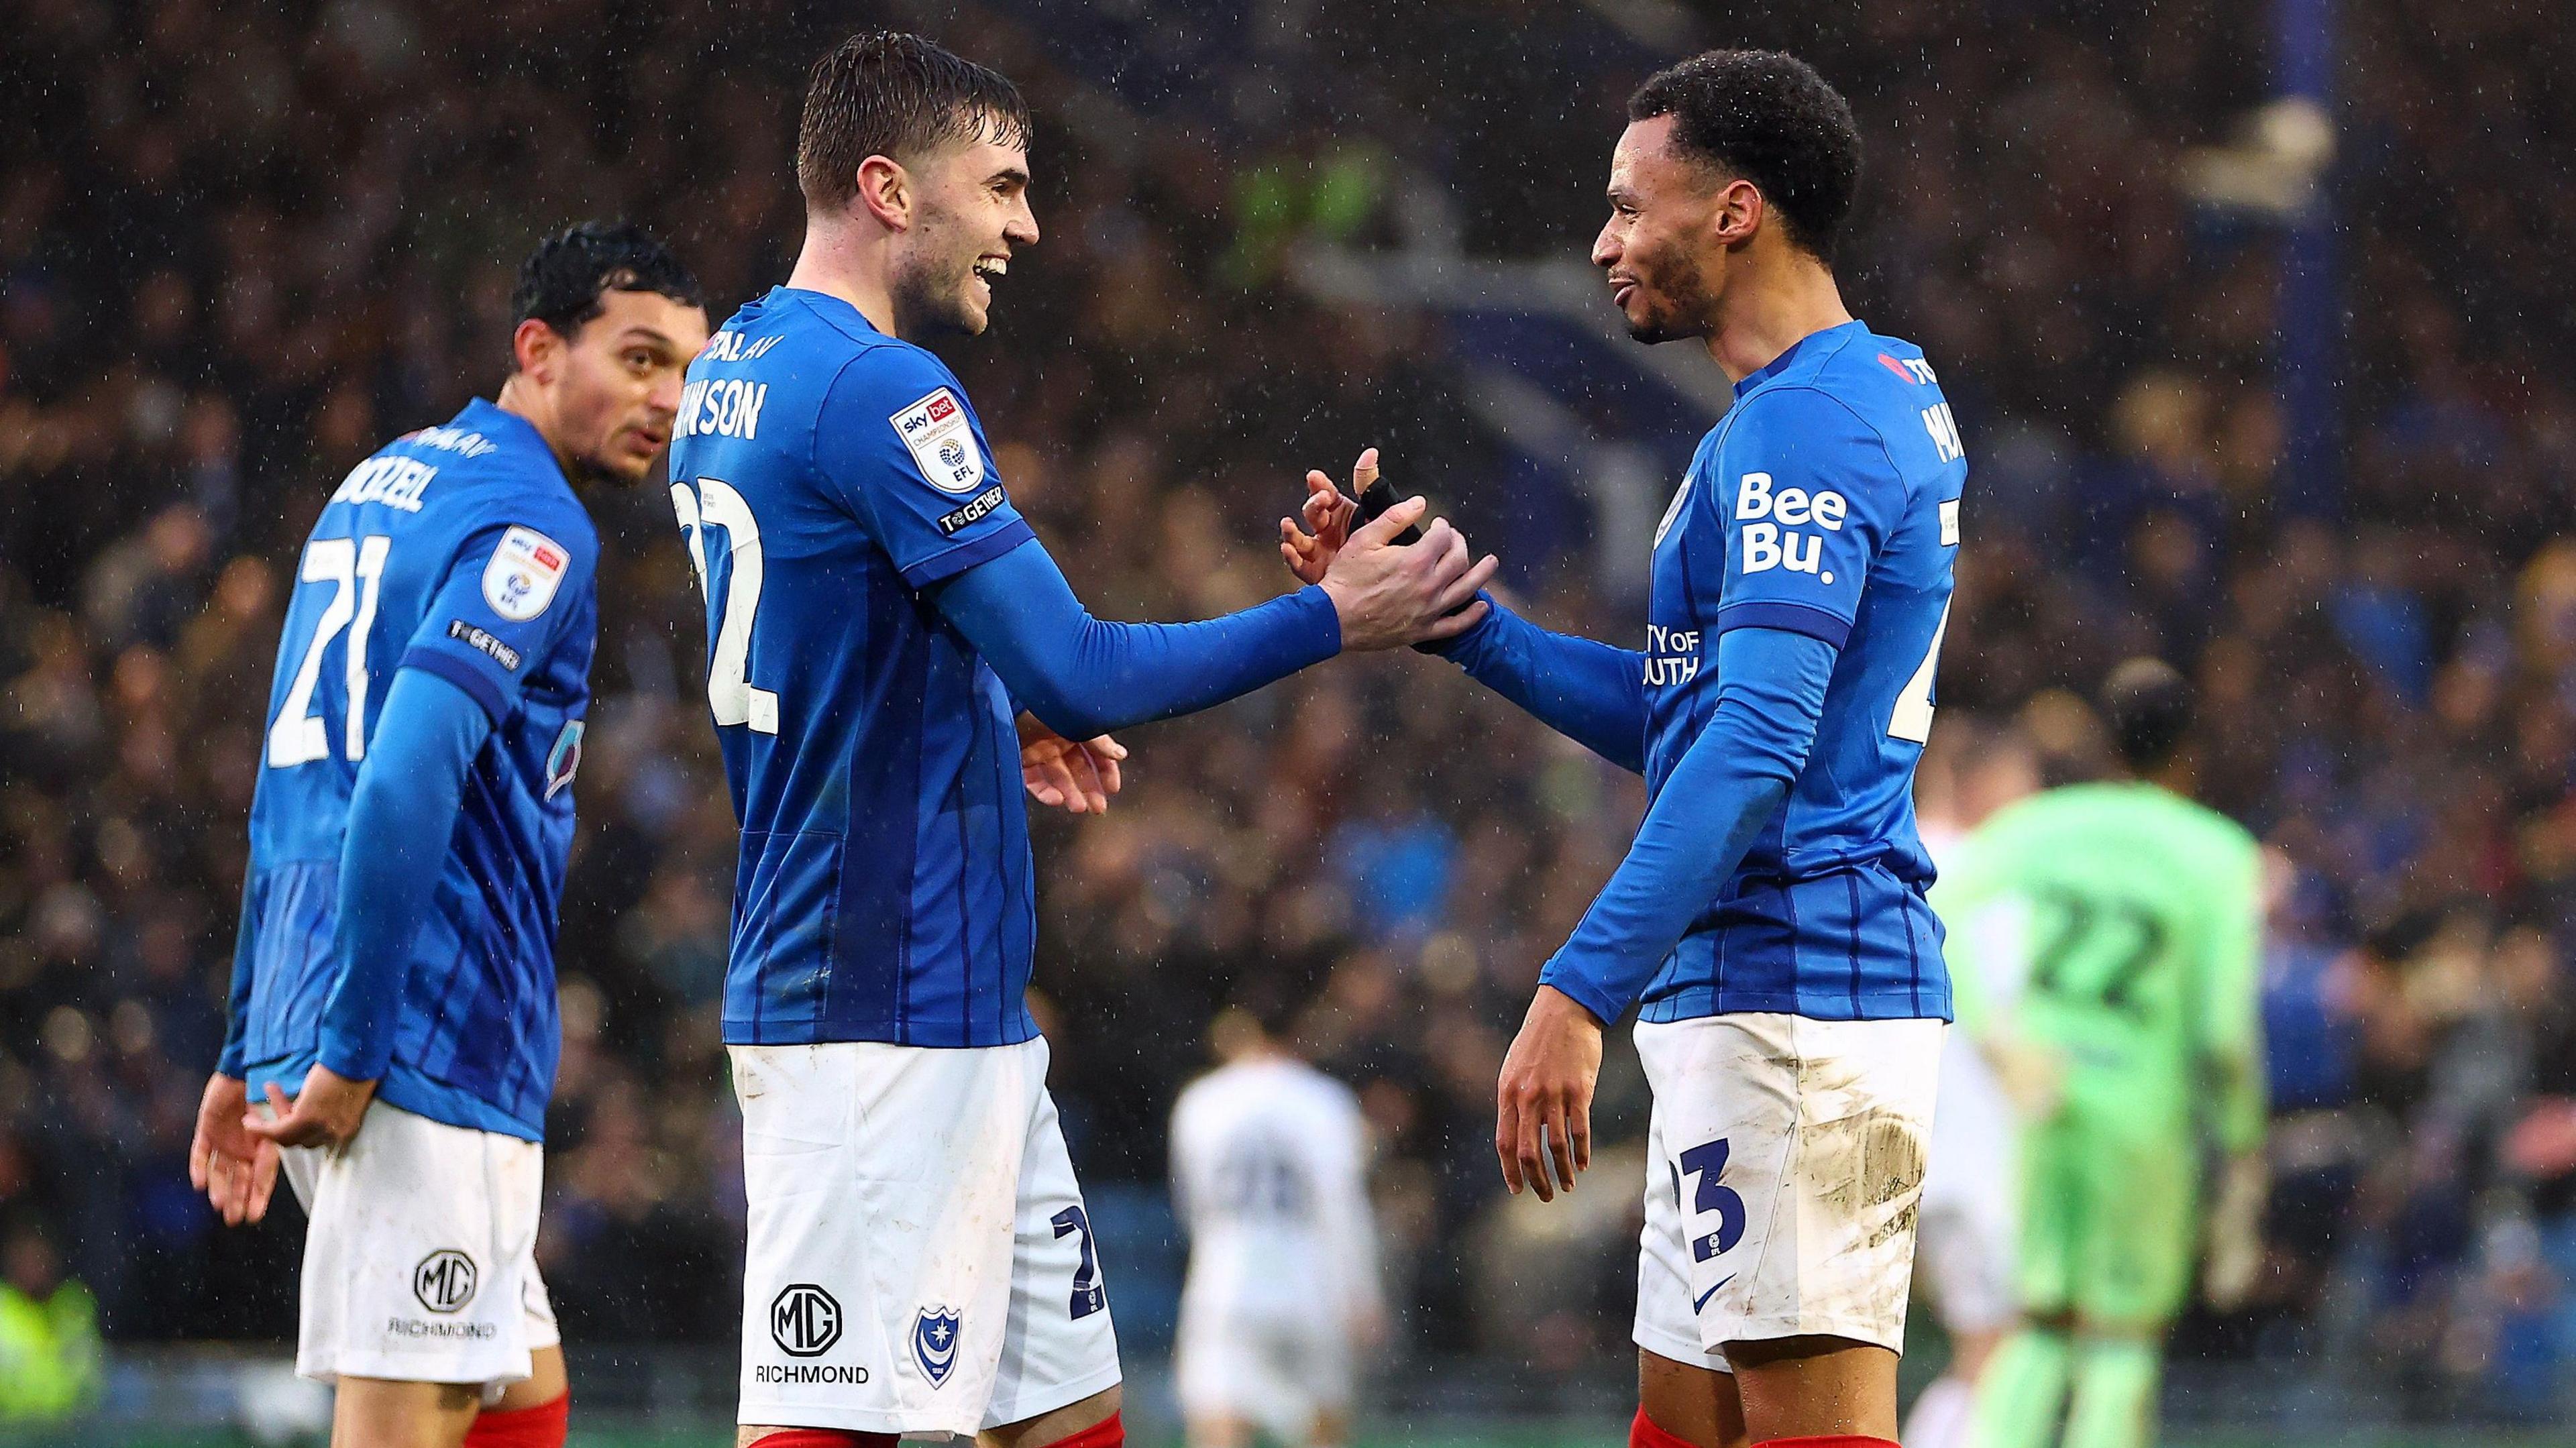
(805, 1320)
(444, 1280)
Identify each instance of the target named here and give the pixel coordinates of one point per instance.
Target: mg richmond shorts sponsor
(420, 1254)
(919, 1259)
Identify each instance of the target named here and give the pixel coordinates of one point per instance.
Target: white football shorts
(1784, 1167)
(420, 1254)
(919, 1258)
(1280, 1374)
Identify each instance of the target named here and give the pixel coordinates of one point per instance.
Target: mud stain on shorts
(1869, 1169)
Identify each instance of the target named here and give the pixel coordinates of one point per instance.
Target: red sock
(542, 1426)
(1829, 1440)
(823, 1438)
(1107, 1433)
(1642, 1433)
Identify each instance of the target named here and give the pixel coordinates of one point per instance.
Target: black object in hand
(1374, 500)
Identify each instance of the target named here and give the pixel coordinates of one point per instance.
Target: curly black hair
(889, 94)
(562, 281)
(1768, 117)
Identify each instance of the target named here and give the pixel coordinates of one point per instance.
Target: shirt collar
(821, 302)
(502, 425)
(1780, 364)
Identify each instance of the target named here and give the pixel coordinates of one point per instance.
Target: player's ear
(538, 349)
(885, 192)
(1739, 213)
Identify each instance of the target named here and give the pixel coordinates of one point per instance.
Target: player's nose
(665, 396)
(1605, 248)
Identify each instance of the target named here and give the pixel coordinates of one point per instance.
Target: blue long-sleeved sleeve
(1589, 692)
(1727, 787)
(1084, 676)
(402, 815)
(237, 998)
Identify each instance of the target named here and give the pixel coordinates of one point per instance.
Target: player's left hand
(325, 1113)
(1309, 551)
(1075, 776)
(1547, 1082)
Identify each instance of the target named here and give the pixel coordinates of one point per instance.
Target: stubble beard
(1684, 316)
(928, 298)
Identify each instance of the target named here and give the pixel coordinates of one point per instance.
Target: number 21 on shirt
(355, 567)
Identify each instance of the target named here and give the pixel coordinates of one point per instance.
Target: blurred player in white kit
(1965, 1250)
(1270, 1179)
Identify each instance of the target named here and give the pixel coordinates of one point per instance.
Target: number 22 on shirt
(713, 503)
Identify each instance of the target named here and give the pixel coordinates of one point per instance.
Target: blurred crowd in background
(242, 244)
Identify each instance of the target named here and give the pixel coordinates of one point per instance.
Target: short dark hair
(562, 281)
(889, 94)
(1768, 117)
(2148, 705)
(1270, 1002)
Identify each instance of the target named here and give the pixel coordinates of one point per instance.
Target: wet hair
(562, 281)
(889, 94)
(2148, 706)
(1767, 117)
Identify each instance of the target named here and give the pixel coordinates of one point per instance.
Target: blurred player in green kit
(2104, 942)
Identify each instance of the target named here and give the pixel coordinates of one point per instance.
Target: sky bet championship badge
(936, 431)
(524, 572)
(934, 1343)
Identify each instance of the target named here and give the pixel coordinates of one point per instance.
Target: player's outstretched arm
(1083, 676)
(402, 813)
(1588, 691)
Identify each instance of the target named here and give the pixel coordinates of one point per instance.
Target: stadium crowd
(241, 244)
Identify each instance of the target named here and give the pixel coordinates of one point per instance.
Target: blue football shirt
(461, 551)
(825, 475)
(1826, 502)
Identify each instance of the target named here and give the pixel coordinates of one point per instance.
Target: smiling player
(880, 622)
(1770, 915)
(393, 988)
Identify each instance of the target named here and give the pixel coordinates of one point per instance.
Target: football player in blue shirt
(885, 638)
(1770, 915)
(393, 993)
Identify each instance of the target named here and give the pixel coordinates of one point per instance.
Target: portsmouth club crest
(564, 760)
(934, 1343)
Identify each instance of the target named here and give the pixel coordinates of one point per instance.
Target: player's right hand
(1547, 1082)
(1076, 776)
(326, 1112)
(235, 1169)
(1389, 596)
